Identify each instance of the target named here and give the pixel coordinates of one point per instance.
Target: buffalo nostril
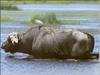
(2, 46)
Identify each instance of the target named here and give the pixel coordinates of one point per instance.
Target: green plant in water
(6, 19)
(49, 18)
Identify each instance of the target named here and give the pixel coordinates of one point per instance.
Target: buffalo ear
(14, 37)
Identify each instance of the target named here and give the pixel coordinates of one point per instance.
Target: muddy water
(18, 66)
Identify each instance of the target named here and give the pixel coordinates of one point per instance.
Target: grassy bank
(47, 1)
(11, 4)
(8, 7)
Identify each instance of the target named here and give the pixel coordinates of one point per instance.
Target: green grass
(30, 14)
(43, 12)
(6, 19)
(77, 14)
(48, 18)
(47, 2)
(73, 22)
(8, 7)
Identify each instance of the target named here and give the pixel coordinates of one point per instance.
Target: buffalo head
(10, 45)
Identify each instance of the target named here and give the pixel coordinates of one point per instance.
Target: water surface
(19, 66)
(62, 7)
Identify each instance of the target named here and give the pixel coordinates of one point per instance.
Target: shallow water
(18, 66)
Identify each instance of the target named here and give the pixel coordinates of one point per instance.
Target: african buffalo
(50, 42)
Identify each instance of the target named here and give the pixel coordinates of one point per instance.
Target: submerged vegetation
(6, 19)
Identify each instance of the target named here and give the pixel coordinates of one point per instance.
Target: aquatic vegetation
(48, 18)
(8, 7)
(6, 19)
